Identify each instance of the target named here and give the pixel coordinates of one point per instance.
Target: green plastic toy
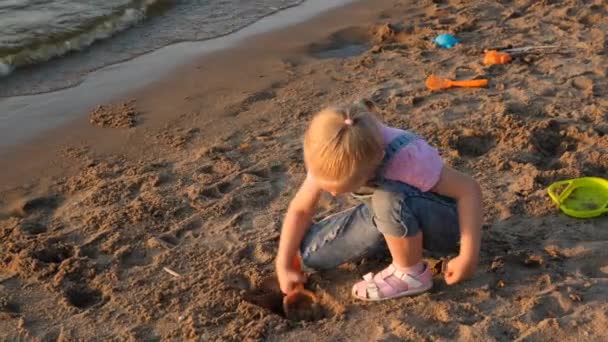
(581, 197)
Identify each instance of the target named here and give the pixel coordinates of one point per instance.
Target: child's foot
(392, 283)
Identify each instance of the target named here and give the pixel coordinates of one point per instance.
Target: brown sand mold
(268, 296)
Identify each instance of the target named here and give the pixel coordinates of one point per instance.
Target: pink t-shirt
(417, 164)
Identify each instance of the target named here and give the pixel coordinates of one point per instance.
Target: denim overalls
(388, 207)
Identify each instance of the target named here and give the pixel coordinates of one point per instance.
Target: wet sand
(61, 91)
(194, 172)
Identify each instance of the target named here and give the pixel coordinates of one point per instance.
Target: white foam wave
(5, 69)
(45, 52)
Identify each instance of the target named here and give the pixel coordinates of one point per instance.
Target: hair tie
(348, 121)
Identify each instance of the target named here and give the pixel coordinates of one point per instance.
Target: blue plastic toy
(446, 41)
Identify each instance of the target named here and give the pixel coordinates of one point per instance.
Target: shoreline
(109, 82)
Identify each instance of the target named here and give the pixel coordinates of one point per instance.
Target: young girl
(410, 201)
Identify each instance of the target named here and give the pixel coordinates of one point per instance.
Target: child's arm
(467, 193)
(296, 222)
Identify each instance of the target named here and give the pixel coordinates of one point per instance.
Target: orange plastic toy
(300, 304)
(496, 57)
(435, 83)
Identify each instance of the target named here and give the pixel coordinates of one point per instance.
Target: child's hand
(458, 269)
(289, 278)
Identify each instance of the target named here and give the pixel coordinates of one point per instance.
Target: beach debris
(553, 251)
(497, 264)
(531, 260)
(522, 50)
(528, 49)
(506, 54)
(573, 295)
(436, 83)
(446, 41)
(547, 290)
(172, 272)
(439, 266)
(436, 265)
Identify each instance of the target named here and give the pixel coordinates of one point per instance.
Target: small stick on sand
(172, 272)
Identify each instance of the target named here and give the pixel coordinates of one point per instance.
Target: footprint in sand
(32, 205)
(243, 106)
(55, 253)
(137, 257)
(173, 238)
(32, 227)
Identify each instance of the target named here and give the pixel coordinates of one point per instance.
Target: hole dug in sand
(548, 139)
(269, 297)
(346, 43)
(473, 144)
(82, 297)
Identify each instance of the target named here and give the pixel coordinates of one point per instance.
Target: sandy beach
(156, 216)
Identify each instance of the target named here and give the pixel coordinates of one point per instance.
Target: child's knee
(391, 215)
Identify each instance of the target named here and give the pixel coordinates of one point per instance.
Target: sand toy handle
(470, 83)
(555, 196)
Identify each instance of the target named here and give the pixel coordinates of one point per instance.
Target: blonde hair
(343, 144)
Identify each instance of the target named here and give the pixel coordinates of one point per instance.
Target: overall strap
(393, 148)
(364, 193)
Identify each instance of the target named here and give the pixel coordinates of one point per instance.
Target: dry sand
(93, 215)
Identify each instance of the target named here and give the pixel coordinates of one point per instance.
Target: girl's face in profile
(336, 188)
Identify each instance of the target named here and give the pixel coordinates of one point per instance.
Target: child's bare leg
(407, 275)
(406, 251)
